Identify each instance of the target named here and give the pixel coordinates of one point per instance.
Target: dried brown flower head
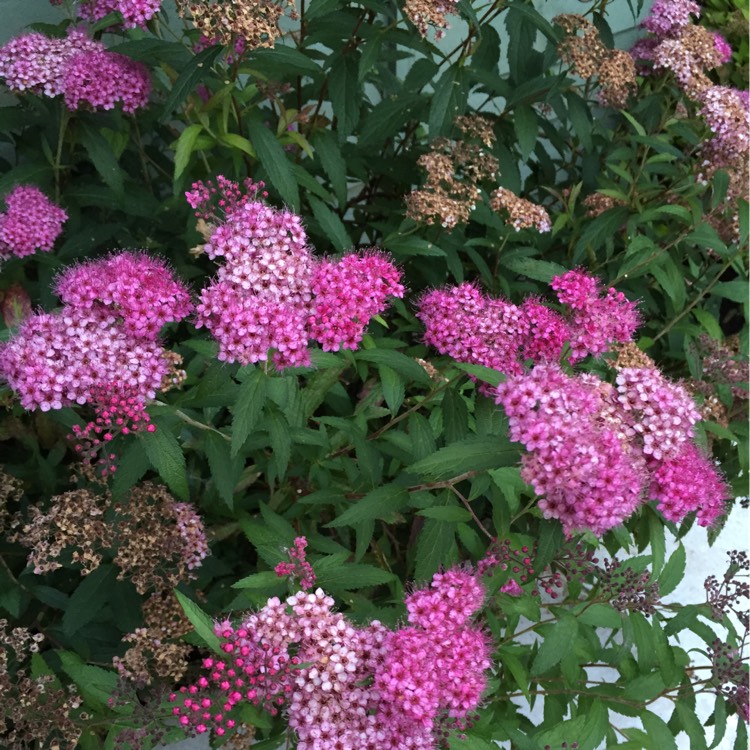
(35, 711)
(627, 354)
(597, 203)
(426, 13)
(616, 79)
(522, 214)
(74, 521)
(583, 53)
(241, 24)
(11, 491)
(161, 541)
(454, 170)
(476, 126)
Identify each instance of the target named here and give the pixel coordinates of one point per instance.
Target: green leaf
(248, 408)
(184, 148)
(329, 153)
(225, 471)
(274, 161)
(453, 513)
(345, 93)
(690, 724)
(733, 290)
(601, 616)
(436, 546)
(331, 224)
(526, 125)
(267, 579)
(87, 601)
(659, 734)
(95, 684)
(472, 454)
(131, 466)
(202, 623)
(557, 644)
(447, 101)
(103, 158)
(381, 503)
(281, 441)
(166, 456)
(720, 721)
(551, 539)
(580, 118)
(539, 270)
(400, 363)
(190, 76)
(674, 571)
(238, 142)
(285, 60)
(480, 372)
(334, 574)
(393, 388)
(657, 543)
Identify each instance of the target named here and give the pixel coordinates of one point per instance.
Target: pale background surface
(702, 560)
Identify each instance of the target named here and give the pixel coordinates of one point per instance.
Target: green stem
(57, 166)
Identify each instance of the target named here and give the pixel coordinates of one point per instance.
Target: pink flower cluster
(669, 16)
(32, 222)
(596, 452)
(473, 327)
(350, 687)
(99, 339)
(134, 12)
(270, 293)
(297, 568)
(77, 67)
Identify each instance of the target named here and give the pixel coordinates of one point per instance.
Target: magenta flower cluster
(31, 222)
(270, 294)
(344, 686)
(470, 326)
(596, 452)
(104, 336)
(77, 67)
(135, 13)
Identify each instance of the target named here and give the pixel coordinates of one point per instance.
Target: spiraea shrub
(363, 367)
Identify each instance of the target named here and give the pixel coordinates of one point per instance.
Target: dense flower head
(31, 222)
(134, 12)
(270, 295)
(342, 685)
(449, 602)
(522, 214)
(347, 293)
(105, 335)
(668, 16)
(426, 13)
(596, 452)
(37, 64)
(728, 117)
(598, 318)
(100, 80)
(723, 48)
(58, 359)
(689, 482)
(579, 457)
(473, 327)
(141, 289)
(661, 413)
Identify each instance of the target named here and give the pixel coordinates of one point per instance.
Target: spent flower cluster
(271, 294)
(346, 686)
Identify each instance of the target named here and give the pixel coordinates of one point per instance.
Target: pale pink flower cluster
(668, 16)
(271, 294)
(473, 327)
(32, 222)
(134, 12)
(100, 339)
(596, 452)
(77, 67)
(345, 686)
(727, 114)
